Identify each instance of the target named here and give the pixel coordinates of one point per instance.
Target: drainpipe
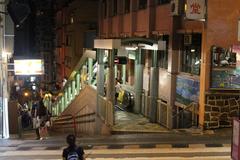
(138, 81)
(154, 76)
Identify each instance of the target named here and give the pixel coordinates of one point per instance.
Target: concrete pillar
(172, 77)
(62, 103)
(115, 71)
(69, 92)
(100, 75)
(204, 76)
(77, 83)
(111, 77)
(90, 70)
(73, 88)
(123, 74)
(65, 98)
(154, 76)
(138, 80)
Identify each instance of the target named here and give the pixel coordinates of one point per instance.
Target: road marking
(197, 146)
(163, 146)
(119, 151)
(131, 146)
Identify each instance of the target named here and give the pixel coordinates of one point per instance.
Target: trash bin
(235, 147)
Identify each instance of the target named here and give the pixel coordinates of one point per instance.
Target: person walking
(72, 152)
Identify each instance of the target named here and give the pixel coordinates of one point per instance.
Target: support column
(115, 71)
(78, 83)
(65, 98)
(154, 76)
(124, 74)
(69, 92)
(100, 76)
(204, 76)
(111, 77)
(73, 88)
(138, 81)
(62, 103)
(90, 70)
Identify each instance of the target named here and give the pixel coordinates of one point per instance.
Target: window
(191, 53)
(142, 4)
(127, 6)
(115, 7)
(163, 55)
(163, 1)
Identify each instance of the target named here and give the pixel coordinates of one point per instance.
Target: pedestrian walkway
(154, 146)
(128, 152)
(127, 122)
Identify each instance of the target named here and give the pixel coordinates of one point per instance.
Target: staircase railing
(74, 84)
(73, 123)
(65, 122)
(193, 108)
(106, 111)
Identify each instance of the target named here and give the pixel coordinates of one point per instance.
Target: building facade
(191, 79)
(44, 39)
(76, 22)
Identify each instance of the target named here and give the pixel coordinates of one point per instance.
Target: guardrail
(74, 121)
(106, 111)
(193, 108)
(65, 121)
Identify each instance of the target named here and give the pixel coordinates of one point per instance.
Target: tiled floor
(130, 122)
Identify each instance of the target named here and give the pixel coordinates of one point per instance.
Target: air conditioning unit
(175, 7)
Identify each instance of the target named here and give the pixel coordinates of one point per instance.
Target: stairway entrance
(127, 122)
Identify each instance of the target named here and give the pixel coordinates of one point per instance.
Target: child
(72, 152)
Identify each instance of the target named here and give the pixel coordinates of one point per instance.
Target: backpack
(73, 155)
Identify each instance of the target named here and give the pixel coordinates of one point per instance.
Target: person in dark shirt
(72, 152)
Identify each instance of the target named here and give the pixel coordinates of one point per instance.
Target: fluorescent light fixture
(34, 87)
(148, 47)
(29, 67)
(32, 79)
(131, 48)
(193, 50)
(197, 62)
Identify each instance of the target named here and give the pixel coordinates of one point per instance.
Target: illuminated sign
(196, 9)
(29, 67)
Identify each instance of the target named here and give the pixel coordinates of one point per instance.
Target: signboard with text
(196, 9)
(29, 67)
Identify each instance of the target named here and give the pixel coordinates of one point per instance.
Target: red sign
(235, 150)
(196, 9)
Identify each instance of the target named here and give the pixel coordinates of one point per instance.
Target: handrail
(187, 108)
(193, 104)
(72, 120)
(87, 54)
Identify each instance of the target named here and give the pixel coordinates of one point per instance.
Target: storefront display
(225, 69)
(187, 90)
